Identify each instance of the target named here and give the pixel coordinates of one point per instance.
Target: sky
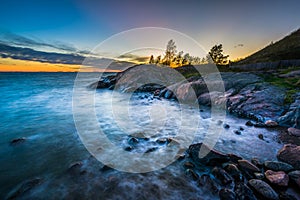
(243, 27)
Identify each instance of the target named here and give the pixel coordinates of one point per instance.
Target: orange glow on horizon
(13, 65)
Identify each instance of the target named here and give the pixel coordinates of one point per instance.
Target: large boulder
(278, 166)
(290, 154)
(264, 189)
(277, 178)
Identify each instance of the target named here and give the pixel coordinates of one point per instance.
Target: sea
(39, 107)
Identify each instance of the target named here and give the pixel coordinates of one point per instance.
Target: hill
(287, 48)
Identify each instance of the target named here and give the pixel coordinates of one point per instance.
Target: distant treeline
(174, 59)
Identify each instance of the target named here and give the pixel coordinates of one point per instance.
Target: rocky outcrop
(292, 116)
(244, 94)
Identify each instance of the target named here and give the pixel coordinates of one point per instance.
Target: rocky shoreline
(217, 175)
(245, 94)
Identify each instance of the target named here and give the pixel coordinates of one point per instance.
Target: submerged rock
(191, 173)
(277, 178)
(24, 187)
(278, 166)
(290, 154)
(17, 141)
(249, 123)
(264, 189)
(206, 181)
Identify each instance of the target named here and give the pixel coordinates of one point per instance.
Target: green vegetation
(291, 84)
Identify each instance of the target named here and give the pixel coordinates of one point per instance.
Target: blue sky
(85, 23)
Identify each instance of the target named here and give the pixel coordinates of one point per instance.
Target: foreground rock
(264, 189)
(294, 132)
(278, 166)
(290, 154)
(295, 176)
(277, 178)
(202, 154)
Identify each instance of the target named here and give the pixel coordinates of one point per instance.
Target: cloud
(18, 40)
(28, 54)
(238, 45)
(134, 58)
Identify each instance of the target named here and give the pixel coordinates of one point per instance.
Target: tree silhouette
(151, 60)
(170, 52)
(216, 55)
(158, 60)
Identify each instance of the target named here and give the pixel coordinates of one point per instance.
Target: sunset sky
(77, 26)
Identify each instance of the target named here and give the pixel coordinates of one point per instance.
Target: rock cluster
(232, 177)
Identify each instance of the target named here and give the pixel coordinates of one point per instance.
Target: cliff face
(287, 48)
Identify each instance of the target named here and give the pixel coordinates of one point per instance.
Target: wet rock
(234, 158)
(234, 172)
(152, 149)
(106, 168)
(285, 196)
(249, 123)
(290, 154)
(237, 132)
(295, 177)
(241, 128)
(207, 182)
(222, 175)
(226, 126)
(129, 148)
(17, 141)
(162, 141)
(191, 173)
(202, 154)
(294, 132)
(188, 165)
(133, 141)
(261, 136)
(226, 194)
(248, 166)
(271, 123)
(277, 178)
(259, 125)
(23, 188)
(256, 162)
(278, 166)
(264, 189)
(243, 192)
(259, 175)
(75, 165)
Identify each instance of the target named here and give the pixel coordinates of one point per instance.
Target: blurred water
(38, 106)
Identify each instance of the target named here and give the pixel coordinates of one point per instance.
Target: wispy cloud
(19, 40)
(133, 58)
